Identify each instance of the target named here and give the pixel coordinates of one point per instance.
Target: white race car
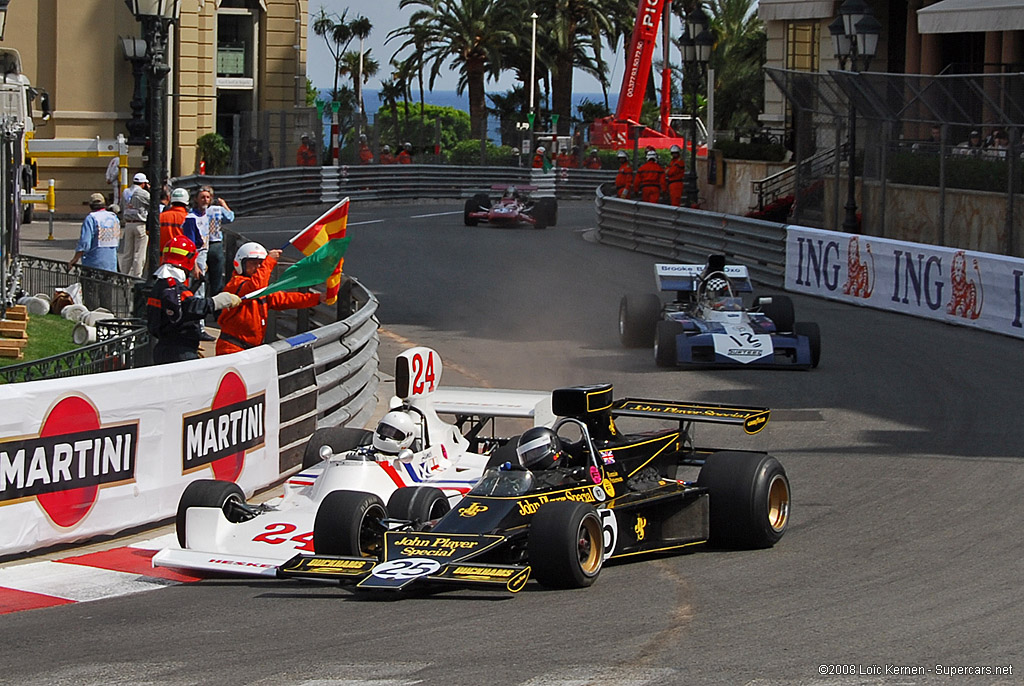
(411, 446)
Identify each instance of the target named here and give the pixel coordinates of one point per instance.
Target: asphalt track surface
(904, 550)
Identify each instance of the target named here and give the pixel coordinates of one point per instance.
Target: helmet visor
(533, 451)
(390, 432)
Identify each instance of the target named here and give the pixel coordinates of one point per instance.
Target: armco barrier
(290, 186)
(689, 236)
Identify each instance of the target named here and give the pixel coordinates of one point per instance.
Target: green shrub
(215, 152)
(768, 152)
(967, 173)
(467, 152)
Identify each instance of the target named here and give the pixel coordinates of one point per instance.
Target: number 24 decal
(278, 532)
(422, 374)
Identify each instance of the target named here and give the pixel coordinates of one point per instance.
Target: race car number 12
(422, 373)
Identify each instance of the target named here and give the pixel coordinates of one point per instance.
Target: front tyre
(779, 308)
(566, 545)
(341, 439)
(813, 334)
(475, 204)
(638, 315)
(418, 504)
(749, 499)
(350, 524)
(208, 493)
(665, 349)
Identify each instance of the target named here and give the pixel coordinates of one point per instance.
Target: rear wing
(686, 277)
(493, 402)
(752, 419)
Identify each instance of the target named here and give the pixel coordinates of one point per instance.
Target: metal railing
(689, 236)
(110, 290)
(783, 182)
(296, 186)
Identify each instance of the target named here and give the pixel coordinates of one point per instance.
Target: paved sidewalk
(35, 240)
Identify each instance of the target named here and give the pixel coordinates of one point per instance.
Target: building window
(235, 46)
(802, 41)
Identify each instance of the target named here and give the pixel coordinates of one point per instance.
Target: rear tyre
(418, 504)
(548, 208)
(779, 308)
(340, 438)
(566, 546)
(475, 204)
(350, 524)
(813, 333)
(749, 499)
(665, 351)
(638, 315)
(540, 218)
(207, 493)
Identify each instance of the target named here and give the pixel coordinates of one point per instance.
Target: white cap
(140, 178)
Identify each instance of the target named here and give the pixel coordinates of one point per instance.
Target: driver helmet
(249, 251)
(716, 290)
(675, 150)
(511, 192)
(394, 433)
(539, 448)
(180, 251)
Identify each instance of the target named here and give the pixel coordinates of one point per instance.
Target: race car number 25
(406, 568)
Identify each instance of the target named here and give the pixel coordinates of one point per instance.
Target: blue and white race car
(708, 324)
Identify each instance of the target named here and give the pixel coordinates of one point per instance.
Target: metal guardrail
(689, 236)
(292, 186)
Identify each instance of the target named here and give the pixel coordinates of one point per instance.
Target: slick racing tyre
(638, 315)
(475, 204)
(208, 493)
(779, 308)
(665, 351)
(341, 439)
(749, 499)
(548, 209)
(566, 546)
(418, 504)
(350, 523)
(813, 333)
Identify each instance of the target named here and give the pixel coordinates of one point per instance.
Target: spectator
(126, 194)
(305, 156)
(970, 147)
(649, 183)
(592, 161)
(175, 314)
(932, 144)
(97, 248)
(136, 240)
(1000, 147)
(385, 155)
(624, 178)
(363, 151)
(405, 154)
(245, 326)
(209, 215)
(674, 174)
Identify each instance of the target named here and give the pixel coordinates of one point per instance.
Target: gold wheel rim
(778, 503)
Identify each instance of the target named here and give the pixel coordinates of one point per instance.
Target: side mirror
(405, 456)
(326, 452)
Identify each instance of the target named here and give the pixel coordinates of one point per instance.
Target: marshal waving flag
(310, 271)
(329, 227)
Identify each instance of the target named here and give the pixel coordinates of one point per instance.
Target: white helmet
(179, 195)
(540, 149)
(386, 148)
(394, 433)
(652, 155)
(621, 154)
(674, 149)
(249, 251)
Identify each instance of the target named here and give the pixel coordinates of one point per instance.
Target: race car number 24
(279, 532)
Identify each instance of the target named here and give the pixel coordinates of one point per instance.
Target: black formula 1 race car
(515, 206)
(708, 324)
(614, 495)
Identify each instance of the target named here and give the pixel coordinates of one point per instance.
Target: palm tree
(737, 60)
(468, 33)
(389, 93)
(361, 28)
(337, 33)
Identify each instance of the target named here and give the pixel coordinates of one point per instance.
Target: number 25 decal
(423, 373)
(278, 532)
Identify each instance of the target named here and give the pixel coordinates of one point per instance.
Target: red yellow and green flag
(323, 243)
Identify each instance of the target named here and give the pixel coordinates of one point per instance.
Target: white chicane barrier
(951, 285)
(101, 453)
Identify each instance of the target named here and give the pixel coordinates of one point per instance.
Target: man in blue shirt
(208, 217)
(101, 232)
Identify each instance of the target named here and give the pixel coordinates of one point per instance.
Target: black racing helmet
(539, 448)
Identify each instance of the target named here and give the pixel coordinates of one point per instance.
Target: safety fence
(296, 186)
(689, 236)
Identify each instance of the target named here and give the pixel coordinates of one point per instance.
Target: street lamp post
(135, 52)
(696, 44)
(156, 16)
(854, 40)
(533, 67)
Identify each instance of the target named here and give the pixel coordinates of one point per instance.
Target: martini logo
(64, 466)
(220, 436)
